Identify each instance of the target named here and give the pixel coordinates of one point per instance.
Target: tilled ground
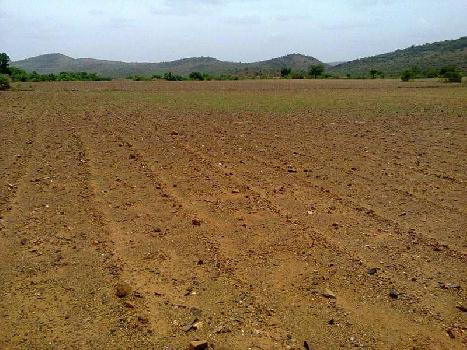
(253, 215)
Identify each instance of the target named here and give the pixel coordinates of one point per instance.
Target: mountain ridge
(426, 57)
(57, 62)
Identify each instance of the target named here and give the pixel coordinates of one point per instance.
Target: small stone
(128, 304)
(451, 333)
(132, 156)
(329, 294)
(24, 241)
(222, 329)
(394, 294)
(331, 322)
(235, 191)
(449, 285)
(174, 133)
(196, 312)
(306, 345)
(191, 325)
(198, 345)
(196, 222)
(372, 271)
(123, 289)
(461, 308)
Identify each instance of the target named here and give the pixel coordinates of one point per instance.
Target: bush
(431, 73)
(4, 83)
(172, 77)
(4, 63)
(407, 75)
(315, 70)
(285, 72)
(197, 76)
(17, 74)
(452, 74)
(297, 75)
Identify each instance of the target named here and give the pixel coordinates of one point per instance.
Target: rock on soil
(198, 345)
(329, 294)
(123, 289)
(394, 294)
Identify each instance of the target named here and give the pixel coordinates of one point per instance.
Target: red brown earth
(251, 214)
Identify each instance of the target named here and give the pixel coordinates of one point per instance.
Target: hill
(425, 57)
(56, 63)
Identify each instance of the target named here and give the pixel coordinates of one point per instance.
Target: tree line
(452, 74)
(15, 74)
(193, 76)
(8, 73)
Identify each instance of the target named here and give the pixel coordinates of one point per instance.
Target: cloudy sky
(235, 30)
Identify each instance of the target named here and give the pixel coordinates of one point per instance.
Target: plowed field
(250, 214)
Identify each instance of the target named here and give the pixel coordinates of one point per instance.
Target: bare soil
(250, 214)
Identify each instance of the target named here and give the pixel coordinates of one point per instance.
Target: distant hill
(56, 63)
(425, 57)
(435, 55)
(332, 64)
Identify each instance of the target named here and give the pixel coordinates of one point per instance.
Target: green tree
(298, 75)
(17, 74)
(452, 74)
(4, 82)
(431, 72)
(196, 76)
(315, 70)
(4, 63)
(285, 72)
(373, 73)
(407, 75)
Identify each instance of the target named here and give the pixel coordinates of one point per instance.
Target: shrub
(285, 72)
(172, 77)
(407, 75)
(4, 83)
(4, 63)
(431, 73)
(17, 74)
(452, 74)
(197, 76)
(297, 75)
(316, 70)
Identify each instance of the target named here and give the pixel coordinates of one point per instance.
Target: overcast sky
(235, 30)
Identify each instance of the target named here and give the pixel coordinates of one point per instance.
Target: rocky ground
(247, 215)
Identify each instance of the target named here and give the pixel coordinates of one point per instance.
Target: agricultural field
(314, 214)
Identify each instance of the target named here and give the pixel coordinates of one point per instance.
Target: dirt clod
(198, 345)
(122, 289)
